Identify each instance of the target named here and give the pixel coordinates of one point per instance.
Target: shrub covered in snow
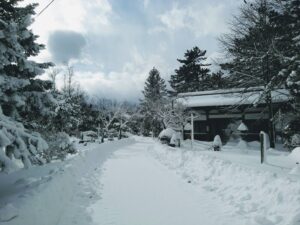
(292, 134)
(175, 140)
(166, 135)
(88, 136)
(217, 143)
(18, 143)
(60, 146)
(231, 131)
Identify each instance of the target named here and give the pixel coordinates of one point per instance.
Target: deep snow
(141, 182)
(57, 193)
(266, 194)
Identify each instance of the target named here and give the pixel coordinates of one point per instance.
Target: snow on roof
(229, 97)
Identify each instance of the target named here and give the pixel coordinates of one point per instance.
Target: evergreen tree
(192, 75)
(155, 95)
(22, 97)
(155, 88)
(217, 81)
(254, 57)
(287, 19)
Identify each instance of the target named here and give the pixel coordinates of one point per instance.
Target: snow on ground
(141, 182)
(56, 193)
(138, 190)
(262, 194)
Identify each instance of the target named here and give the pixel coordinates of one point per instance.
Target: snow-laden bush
(17, 143)
(231, 131)
(295, 140)
(60, 146)
(217, 143)
(292, 134)
(175, 140)
(165, 135)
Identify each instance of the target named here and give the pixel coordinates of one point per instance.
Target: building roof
(229, 97)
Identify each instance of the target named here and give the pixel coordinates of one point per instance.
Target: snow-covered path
(138, 190)
(138, 181)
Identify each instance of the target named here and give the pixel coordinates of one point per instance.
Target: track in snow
(138, 190)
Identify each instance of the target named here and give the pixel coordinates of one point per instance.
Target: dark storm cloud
(66, 45)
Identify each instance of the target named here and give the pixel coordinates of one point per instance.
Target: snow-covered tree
(287, 19)
(69, 111)
(192, 75)
(22, 96)
(114, 117)
(17, 44)
(254, 59)
(17, 143)
(155, 97)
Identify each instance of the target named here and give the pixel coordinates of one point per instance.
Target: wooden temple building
(219, 112)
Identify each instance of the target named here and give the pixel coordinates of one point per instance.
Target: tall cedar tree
(155, 95)
(254, 59)
(193, 74)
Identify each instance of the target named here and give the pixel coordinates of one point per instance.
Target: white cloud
(124, 41)
(200, 18)
(175, 18)
(146, 3)
(126, 84)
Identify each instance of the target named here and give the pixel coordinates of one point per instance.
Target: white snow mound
(295, 155)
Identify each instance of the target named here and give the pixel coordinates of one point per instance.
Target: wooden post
(192, 129)
(263, 147)
(262, 142)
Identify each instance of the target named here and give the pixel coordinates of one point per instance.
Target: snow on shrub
(175, 139)
(295, 140)
(217, 143)
(231, 133)
(165, 135)
(18, 143)
(60, 146)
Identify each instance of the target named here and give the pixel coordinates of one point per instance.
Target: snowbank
(265, 197)
(295, 155)
(44, 195)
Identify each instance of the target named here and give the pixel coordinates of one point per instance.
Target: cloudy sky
(112, 44)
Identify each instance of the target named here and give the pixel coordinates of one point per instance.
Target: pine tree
(155, 88)
(192, 75)
(22, 97)
(155, 95)
(217, 81)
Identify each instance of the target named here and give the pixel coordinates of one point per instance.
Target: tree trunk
(120, 133)
(271, 129)
(270, 106)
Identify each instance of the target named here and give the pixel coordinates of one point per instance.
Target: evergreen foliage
(155, 97)
(193, 74)
(22, 97)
